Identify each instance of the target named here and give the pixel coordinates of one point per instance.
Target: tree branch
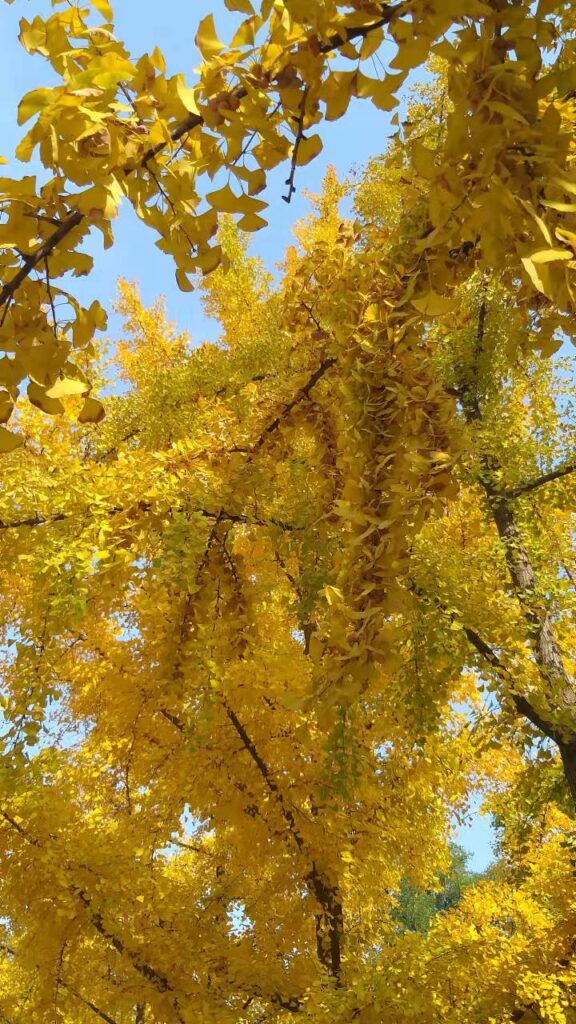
(158, 980)
(145, 506)
(40, 255)
(87, 1002)
(329, 924)
(389, 12)
(546, 478)
(522, 704)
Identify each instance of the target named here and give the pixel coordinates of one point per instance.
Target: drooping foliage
(243, 706)
(305, 595)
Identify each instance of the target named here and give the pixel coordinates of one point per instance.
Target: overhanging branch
(546, 478)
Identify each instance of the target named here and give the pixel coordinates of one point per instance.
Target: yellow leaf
(104, 8)
(223, 200)
(551, 255)
(186, 95)
(243, 6)
(206, 39)
(245, 34)
(183, 281)
(411, 53)
(508, 112)
(433, 304)
(337, 92)
(381, 93)
(251, 222)
(308, 149)
(539, 275)
(423, 160)
(566, 184)
(158, 60)
(209, 260)
(38, 396)
(65, 386)
(371, 43)
(92, 411)
(9, 441)
(33, 102)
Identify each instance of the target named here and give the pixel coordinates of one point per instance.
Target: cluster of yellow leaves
(501, 183)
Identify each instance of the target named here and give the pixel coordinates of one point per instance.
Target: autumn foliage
(281, 609)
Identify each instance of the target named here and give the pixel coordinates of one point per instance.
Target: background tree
(417, 908)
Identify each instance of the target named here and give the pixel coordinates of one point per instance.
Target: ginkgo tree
(242, 706)
(271, 624)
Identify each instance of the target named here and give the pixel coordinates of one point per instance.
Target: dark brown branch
(537, 615)
(297, 143)
(330, 923)
(18, 828)
(389, 12)
(155, 978)
(40, 255)
(304, 392)
(546, 478)
(522, 704)
(87, 1002)
(144, 506)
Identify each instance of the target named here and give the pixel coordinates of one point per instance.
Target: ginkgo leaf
(432, 304)
(243, 6)
(551, 255)
(105, 9)
(33, 102)
(245, 34)
(206, 39)
(183, 281)
(537, 274)
(92, 411)
(39, 397)
(307, 149)
(9, 442)
(224, 200)
(186, 94)
(252, 222)
(66, 386)
(6, 406)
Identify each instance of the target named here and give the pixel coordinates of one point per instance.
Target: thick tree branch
(300, 397)
(145, 506)
(547, 653)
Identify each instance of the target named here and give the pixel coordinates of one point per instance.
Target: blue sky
(348, 143)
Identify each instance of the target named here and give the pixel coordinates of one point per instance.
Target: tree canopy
(272, 623)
